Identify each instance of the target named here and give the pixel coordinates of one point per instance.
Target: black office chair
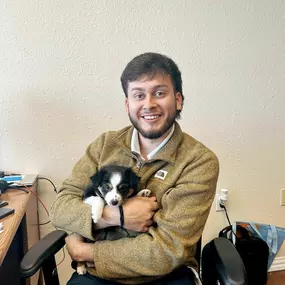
(219, 261)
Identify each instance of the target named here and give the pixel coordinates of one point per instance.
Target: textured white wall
(60, 63)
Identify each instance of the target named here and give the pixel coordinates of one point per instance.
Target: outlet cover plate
(218, 207)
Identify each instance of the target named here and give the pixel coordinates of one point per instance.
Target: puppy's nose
(114, 202)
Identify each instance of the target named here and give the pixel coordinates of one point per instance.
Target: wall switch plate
(282, 197)
(218, 207)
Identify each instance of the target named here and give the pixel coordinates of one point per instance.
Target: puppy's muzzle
(114, 202)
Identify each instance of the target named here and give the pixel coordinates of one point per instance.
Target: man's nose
(149, 102)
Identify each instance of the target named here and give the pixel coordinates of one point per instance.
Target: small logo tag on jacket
(161, 174)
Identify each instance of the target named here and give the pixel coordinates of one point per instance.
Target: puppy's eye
(124, 188)
(106, 187)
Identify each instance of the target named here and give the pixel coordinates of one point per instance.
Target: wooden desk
(21, 232)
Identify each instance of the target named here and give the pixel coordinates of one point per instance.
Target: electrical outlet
(282, 197)
(218, 207)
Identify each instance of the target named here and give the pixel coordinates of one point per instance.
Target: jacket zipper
(140, 163)
(139, 160)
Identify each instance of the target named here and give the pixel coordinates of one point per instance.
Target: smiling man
(152, 106)
(157, 245)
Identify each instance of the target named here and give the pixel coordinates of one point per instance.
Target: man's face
(152, 105)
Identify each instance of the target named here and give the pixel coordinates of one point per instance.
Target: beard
(154, 134)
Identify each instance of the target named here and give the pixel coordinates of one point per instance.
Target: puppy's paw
(90, 264)
(96, 217)
(96, 214)
(144, 193)
(97, 206)
(94, 201)
(81, 268)
(97, 210)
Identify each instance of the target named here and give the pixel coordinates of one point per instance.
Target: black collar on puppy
(122, 218)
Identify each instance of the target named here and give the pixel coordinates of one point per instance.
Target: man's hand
(78, 249)
(138, 213)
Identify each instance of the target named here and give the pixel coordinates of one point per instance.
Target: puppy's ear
(93, 187)
(89, 191)
(98, 177)
(133, 178)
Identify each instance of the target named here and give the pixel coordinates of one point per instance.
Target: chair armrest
(45, 248)
(223, 262)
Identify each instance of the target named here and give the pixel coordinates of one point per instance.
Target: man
(180, 172)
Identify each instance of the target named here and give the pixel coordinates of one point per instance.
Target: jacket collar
(167, 153)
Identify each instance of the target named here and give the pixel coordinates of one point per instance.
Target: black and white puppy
(111, 185)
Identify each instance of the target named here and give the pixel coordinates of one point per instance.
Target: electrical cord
(224, 207)
(30, 190)
(43, 224)
(54, 189)
(44, 178)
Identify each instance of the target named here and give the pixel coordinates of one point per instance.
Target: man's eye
(138, 96)
(159, 94)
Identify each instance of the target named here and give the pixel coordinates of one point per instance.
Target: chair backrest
(221, 261)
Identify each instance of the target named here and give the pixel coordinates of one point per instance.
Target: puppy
(111, 185)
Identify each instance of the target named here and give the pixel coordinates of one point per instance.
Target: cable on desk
(44, 178)
(29, 189)
(43, 224)
(54, 188)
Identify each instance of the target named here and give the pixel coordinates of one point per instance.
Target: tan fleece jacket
(185, 196)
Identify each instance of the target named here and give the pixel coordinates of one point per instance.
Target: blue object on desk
(12, 178)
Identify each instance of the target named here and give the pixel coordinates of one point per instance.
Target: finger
(70, 236)
(153, 198)
(76, 235)
(154, 206)
(148, 223)
(145, 229)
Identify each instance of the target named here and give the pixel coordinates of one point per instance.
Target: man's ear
(127, 104)
(178, 98)
(133, 178)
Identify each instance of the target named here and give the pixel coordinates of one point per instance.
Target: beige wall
(60, 65)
